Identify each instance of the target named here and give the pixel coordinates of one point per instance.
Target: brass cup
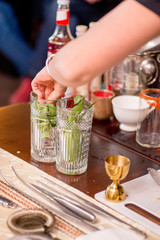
(117, 168)
(103, 106)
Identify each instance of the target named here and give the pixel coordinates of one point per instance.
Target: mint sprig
(45, 117)
(73, 139)
(76, 110)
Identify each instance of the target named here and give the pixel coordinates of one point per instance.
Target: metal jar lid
(30, 221)
(151, 46)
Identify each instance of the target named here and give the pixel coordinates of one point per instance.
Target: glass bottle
(80, 30)
(61, 35)
(96, 82)
(84, 89)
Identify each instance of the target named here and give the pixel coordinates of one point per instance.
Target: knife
(67, 204)
(143, 212)
(5, 202)
(93, 207)
(49, 207)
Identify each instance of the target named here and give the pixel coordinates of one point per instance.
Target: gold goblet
(117, 168)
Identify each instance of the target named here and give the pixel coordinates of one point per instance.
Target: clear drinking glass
(43, 129)
(73, 136)
(148, 128)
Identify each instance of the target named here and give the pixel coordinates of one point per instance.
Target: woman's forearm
(121, 32)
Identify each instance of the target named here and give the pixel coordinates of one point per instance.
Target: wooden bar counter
(106, 139)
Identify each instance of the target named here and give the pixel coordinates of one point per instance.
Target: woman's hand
(46, 87)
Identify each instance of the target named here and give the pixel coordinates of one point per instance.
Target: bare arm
(119, 33)
(122, 31)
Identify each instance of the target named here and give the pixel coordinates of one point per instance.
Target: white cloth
(111, 234)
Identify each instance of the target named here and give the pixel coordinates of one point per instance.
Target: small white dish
(126, 111)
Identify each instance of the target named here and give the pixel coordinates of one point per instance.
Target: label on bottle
(62, 17)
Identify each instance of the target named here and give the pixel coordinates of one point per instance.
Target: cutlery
(5, 202)
(70, 206)
(79, 199)
(49, 207)
(143, 212)
(71, 218)
(91, 206)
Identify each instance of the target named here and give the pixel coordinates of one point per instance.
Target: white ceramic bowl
(126, 110)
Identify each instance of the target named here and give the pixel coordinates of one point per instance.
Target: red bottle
(62, 34)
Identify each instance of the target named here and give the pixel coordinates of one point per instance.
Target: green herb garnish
(77, 109)
(45, 117)
(72, 135)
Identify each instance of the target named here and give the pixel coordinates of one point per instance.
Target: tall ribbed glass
(43, 129)
(73, 137)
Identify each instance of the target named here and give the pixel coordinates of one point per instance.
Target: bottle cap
(91, 24)
(81, 29)
(63, 2)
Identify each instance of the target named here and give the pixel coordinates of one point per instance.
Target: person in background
(116, 35)
(29, 59)
(16, 39)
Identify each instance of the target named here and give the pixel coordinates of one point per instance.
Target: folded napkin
(111, 234)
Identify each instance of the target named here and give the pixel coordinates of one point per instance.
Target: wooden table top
(106, 139)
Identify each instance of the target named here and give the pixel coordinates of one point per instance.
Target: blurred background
(25, 27)
(16, 18)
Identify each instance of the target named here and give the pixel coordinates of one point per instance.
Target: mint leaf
(46, 114)
(76, 110)
(82, 115)
(77, 99)
(44, 128)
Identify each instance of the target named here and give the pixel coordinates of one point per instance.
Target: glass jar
(148, 127)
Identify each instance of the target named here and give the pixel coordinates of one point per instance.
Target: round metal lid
(152, 45)
(30, 221)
